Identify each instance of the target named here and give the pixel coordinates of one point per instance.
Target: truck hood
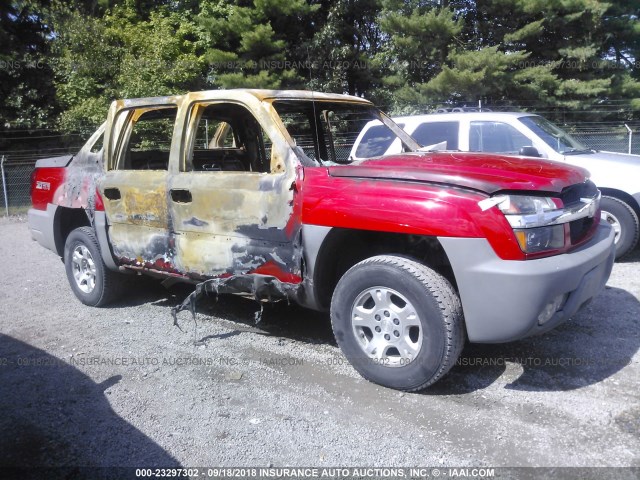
(609, 170)
(484, 172)
(621, 165)
(619, 159)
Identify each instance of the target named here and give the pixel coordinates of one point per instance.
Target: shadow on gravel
(278, 319)
(597, 343)
(141, 289)
(54, 416)
(633, 256)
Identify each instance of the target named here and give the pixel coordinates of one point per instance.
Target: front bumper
(502, 299)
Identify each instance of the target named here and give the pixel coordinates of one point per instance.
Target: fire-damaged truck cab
(253, 192)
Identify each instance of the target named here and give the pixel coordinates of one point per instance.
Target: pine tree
(26, 89)
(560, 53)
(344, 52)
(253, 44)
(419, 39)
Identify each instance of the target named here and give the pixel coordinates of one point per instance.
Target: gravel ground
(123, 386)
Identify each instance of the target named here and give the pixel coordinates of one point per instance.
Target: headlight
(539, 222)
(525, 205)
(525, 211)
(533, 220)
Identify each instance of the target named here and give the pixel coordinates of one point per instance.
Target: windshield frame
(376, 114)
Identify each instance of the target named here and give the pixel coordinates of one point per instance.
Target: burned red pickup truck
(253, 192)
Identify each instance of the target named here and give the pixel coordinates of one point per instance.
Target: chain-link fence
(16, 166)
(16, 185)
(15, 194)
(621, 141)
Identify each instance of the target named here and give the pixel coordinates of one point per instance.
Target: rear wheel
(91, 281)
(398, 322)
(625, 224)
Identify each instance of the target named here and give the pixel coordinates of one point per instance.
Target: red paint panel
(44, 183)
(404, 207)
(388, 206)
(294, 223)
(417, 194)
(487, 173)
(99, 202)
(499, 234)
(272, 269)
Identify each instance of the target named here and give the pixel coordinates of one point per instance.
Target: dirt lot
(123, 386)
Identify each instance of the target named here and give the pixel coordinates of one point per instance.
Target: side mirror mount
(529, 152)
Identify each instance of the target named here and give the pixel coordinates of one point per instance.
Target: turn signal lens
(534, 240)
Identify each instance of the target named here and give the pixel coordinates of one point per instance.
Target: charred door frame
(135, 201)
(234, 223)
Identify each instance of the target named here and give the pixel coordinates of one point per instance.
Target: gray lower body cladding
(502, 299)
(41, 226)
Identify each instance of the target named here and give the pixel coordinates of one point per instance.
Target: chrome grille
(580, 228)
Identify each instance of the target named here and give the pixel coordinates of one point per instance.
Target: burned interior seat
(147, 160)
(220, 160)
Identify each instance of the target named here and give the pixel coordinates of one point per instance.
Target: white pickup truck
(617, 175)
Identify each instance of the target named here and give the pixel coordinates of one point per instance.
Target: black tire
(437, 333)
(106, 284)
(625, 220)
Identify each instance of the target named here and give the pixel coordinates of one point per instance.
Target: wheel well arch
(620, 195)
(343, 248)
(65, 221)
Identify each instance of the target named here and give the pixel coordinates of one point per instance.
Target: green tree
(561, 53)
(121, 55)
(255, 44)
(27, 94)
(419, 39)
(72, 57)
(622, 37)
(345, 50)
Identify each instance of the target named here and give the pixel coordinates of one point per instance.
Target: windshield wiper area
(577, 151)
(442, 146)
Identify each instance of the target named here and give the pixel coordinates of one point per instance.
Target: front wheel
(90, 279)
(398, 322)
(625, 224)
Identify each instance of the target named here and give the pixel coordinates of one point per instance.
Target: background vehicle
(616, 175)
(247, 191)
